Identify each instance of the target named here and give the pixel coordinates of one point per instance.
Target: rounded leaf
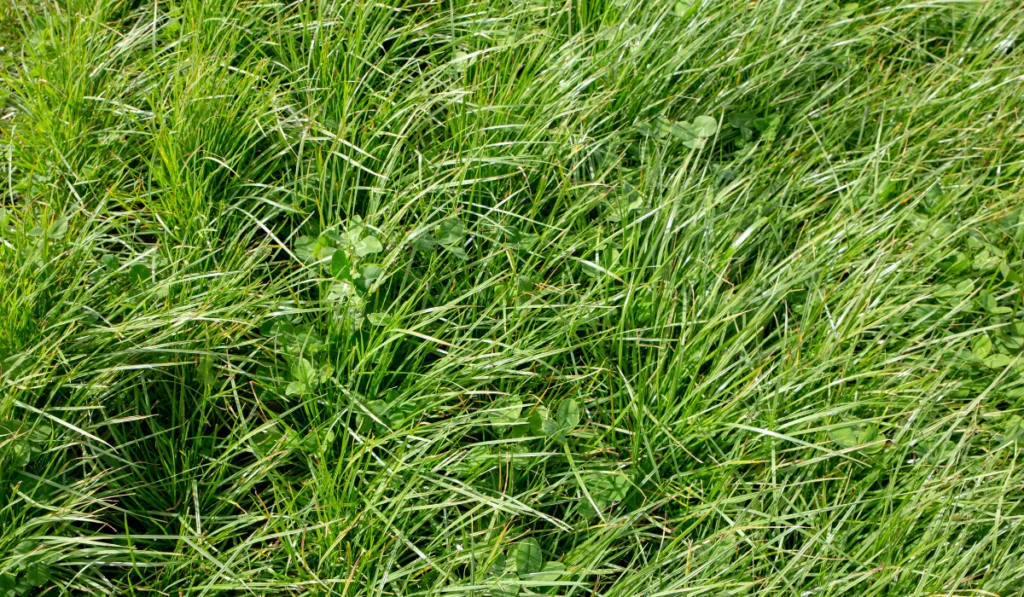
(705, 126)
(340, 265)
(607, 488)
(981, 347)
(451, 232)
(505, 411)
(368, 245)
(529, 557)
(540, 424)
(568, 416)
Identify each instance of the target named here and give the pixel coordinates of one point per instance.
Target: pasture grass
(512, 297)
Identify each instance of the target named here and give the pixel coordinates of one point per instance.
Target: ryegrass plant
(507, 297)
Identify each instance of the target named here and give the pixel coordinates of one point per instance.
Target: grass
(507, 297)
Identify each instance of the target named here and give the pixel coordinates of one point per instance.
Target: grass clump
(512, 297)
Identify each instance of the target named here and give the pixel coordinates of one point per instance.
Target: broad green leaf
(985, 261)
(353, 235)
(529, 557)
(304, 247)
(541, 424)
(458, 252)
(527, 241)
(522, 240)
(20, 453)
(206, 372)
(846, 437)
(265, 441)
(25, 547)
(379, 319)
(965, 287)
(368, 245)
(981, 347)
(451, 232)
(323, 248)
(586, 510)
(139, 273)
(297, 339)
(341, 291)
(331, 238)
(568, 415)
(769, 127)
(705, 126)
(551, 572)
(8, 585)
(350, 306)
(477, 458)
(303, 370)
(1012, 343)
(368, 274)
(33, 577)
(682, 8)
(997, 360)
(854, 435)
(506, 411)
(499, 566)
(607, 488)
(695, 143)
(935, 449)
(1013, 430)
(955, 263)
(646, 129)
(110, 261)
(686, 133)
(340, 265)
(58, 229)
(987, 301)
(665, 127)
(379, 408)
(424, 243)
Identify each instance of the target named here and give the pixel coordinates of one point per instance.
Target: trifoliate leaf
(451, 233)
(541, 424)
(506, 411)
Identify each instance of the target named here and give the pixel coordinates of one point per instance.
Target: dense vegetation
(506, 297)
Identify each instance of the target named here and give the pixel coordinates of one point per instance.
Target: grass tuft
(511, 297)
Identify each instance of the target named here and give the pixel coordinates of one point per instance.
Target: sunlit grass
(512, 297)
